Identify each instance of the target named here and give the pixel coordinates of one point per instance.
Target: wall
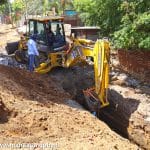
(136, 63)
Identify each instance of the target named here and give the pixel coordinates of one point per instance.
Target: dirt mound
(41, 112)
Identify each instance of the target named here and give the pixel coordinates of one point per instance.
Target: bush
(134, 33)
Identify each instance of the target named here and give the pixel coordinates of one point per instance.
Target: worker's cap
(33, 37)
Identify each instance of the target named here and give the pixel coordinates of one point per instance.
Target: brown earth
(136, 63)
(129, 100)
(35, 109)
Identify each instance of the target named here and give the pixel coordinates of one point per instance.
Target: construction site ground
(42, 108)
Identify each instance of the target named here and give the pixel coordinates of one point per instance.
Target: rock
(119, 82)
(145, 89)
(114, 78)
(74, 104)
(115, 63)
(133, 82)
(10, 61)
(122, 76)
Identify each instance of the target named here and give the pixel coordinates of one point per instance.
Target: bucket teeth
(92, 102)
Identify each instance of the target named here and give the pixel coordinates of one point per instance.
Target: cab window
(31, 27)
(41, 36)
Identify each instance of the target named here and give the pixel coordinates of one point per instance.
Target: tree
(66, 4)
(103, 13)
(134, 32)
(3, 2)
(18, 6)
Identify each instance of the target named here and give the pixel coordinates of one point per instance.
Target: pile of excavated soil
(35, 109)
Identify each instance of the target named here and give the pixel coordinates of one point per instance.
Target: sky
(11, 1)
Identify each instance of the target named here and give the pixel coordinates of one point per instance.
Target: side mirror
(73, 36)
(25, 34)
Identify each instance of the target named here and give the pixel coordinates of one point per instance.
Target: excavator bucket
(92, 100)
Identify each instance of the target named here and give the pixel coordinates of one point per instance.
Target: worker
(59, 39)
(51, 38)
(32, 53)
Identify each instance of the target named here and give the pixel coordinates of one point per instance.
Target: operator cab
(49, 32)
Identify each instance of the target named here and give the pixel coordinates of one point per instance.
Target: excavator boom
(97, 97)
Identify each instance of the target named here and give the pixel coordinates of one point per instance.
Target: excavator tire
(12, 47)
(21, 57)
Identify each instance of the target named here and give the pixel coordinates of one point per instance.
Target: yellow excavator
(67, 54)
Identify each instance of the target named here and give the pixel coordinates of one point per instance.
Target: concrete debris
(10, 61)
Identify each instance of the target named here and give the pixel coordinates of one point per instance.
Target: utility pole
(26, 9)
(45, 7)
(63, 4)
(10, 12)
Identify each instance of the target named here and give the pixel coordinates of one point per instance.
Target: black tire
(12, 47)
(20, 56)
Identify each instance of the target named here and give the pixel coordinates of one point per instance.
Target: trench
(117, 115)
(74, 81)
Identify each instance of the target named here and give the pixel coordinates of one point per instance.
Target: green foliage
(126, 21)
(134, 31)
(85, 9)
(3, 2)
(2, 8)
(103, 13)
(18, 5)
(109, 15)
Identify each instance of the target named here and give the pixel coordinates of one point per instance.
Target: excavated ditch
(77, 79)
(124, 111)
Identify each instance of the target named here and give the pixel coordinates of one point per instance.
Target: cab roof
(47, 18)
(86, 28)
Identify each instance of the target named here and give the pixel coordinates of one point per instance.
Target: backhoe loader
(67, 54)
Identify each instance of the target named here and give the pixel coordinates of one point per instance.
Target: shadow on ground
(118, 113)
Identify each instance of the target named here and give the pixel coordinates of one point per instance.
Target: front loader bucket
(21, 57)
(12, 47)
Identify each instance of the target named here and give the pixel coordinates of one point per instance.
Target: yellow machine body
(77, 54)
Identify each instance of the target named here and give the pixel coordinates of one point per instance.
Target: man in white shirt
(32, 52)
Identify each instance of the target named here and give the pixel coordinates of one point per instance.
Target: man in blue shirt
(32, 52)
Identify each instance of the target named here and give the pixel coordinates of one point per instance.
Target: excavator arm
(96, 97)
